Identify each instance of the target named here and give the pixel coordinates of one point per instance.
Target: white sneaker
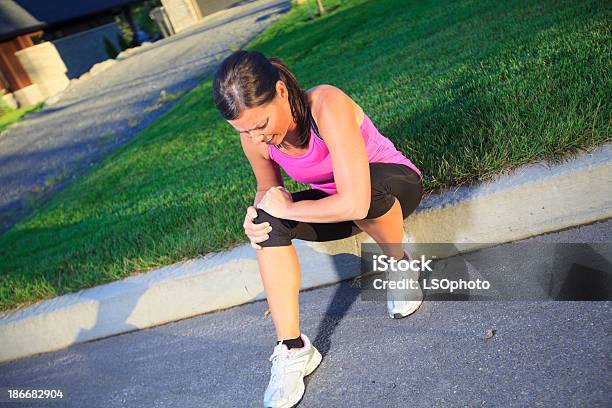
(403, 302)
(289, 367)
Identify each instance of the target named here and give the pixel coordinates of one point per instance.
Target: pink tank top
(315, 166)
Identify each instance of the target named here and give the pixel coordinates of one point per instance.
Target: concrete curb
(530, 200)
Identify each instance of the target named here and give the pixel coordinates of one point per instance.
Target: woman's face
(269, 123)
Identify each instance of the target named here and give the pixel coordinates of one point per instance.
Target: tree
(320, 7)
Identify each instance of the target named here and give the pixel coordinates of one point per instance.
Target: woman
(359, 181)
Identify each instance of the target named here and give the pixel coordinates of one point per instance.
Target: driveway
(94, 116)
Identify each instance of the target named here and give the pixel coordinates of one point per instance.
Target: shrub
(110, 48)
(123, 43)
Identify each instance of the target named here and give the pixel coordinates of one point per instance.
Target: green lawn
(465, 89)
(15, 115)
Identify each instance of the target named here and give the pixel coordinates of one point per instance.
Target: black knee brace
(281, 229)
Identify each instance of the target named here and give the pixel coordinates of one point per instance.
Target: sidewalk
(531, 200)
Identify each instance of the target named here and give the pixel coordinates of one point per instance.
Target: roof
(25, 16)
(14, 20)
(58, 11)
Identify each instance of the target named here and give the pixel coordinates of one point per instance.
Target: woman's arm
(329, 209)
(258, 196)
(267, 173)
(336, 122)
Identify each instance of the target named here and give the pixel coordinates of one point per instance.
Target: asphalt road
(542, 353)
(49, 149)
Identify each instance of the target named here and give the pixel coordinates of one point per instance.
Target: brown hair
(247, 79)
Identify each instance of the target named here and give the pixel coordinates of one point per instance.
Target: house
(45, 43)
(17, 27)
(185, 13)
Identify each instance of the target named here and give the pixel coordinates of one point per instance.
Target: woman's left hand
(276, 201)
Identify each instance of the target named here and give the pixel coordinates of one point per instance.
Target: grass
(466, 89)
(10, 116)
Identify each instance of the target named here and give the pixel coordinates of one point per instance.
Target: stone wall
(44, 67)
(181, 13)
(185, 13)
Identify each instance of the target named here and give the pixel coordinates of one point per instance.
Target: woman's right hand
(256, 232)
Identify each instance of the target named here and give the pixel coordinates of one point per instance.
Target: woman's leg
(279, 266)
(280, 272)
(387, 230)
(396, 192)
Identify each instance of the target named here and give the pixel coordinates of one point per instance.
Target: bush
(110, 48)
(123, 43)
(141, 15)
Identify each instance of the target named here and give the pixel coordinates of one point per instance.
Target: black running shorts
(388, 180)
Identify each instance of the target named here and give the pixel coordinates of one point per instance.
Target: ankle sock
(293, 343)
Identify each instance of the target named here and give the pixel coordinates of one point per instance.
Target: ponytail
(298, 102)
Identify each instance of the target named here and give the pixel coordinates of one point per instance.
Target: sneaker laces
(280, 358)
(404, 295)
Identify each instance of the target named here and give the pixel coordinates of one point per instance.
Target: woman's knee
(280, 235)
